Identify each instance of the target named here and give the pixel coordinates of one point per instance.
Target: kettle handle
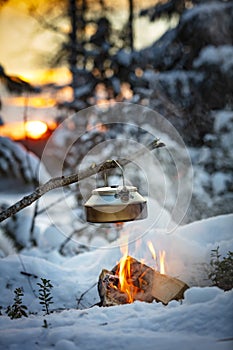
(105, 172)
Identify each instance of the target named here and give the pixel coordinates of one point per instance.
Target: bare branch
(70, 179)
(47, 25)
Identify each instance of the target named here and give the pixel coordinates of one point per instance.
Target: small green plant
(221, 271)
(17, 310)
(45, 294)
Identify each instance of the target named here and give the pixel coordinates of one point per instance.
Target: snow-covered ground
(204, 319)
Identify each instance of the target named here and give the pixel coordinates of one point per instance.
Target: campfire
(132, 280)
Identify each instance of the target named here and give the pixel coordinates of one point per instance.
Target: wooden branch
(70, 179)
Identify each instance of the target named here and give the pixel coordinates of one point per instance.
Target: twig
(28, 274)
(84, 293)
(31, 232)
(62, 246)
(24, 272)
(70, 179)
(34, 179)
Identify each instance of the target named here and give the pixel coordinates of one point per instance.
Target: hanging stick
(63, 181)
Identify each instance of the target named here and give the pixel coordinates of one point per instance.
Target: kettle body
(115, 204)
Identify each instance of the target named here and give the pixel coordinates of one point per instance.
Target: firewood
(108, 290)
(165, 288)
(147, 285)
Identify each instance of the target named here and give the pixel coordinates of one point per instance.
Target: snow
(172, 79)
(204, 318)
(221, 57)
(202, 321)
(6, 245)
(202, 9)
(219, 182)
(134, 326)
(124, 58)
(223, 120)
(16, 161)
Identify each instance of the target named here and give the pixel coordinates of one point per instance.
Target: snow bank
(193, 325)
(202, 321)
(188, 251)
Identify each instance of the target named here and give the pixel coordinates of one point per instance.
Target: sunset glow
(34, 129)
(32, 101)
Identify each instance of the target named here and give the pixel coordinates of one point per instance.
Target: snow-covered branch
(70, 179)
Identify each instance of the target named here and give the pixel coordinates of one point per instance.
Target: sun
(35, 129)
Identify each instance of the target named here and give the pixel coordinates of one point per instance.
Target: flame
(125, 281)
(125, 278)
(125, 270)
(162, 255)
(152, 250)
(124, 275)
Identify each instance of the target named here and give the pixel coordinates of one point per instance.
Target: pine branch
(70, 179)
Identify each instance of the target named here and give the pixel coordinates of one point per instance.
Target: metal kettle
(111, 204)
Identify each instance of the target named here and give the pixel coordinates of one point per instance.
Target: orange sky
(23, 43)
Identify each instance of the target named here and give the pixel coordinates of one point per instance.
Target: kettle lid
(112, 190)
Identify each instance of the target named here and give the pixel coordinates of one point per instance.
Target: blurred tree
(90, 46)
(170, 8)
(15, 84)
(3, 2)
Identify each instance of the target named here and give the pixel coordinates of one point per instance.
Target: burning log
(137, 282)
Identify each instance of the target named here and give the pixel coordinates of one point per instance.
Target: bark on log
(147, 283)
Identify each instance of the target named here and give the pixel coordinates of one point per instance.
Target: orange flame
(124, 276)
(124, 270)
(162, 255)
(125, 280)
(152, 250)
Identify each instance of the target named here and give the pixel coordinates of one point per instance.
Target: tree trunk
(131, 32)
(73, 45)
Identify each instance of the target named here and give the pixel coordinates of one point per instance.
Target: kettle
(111, 204)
